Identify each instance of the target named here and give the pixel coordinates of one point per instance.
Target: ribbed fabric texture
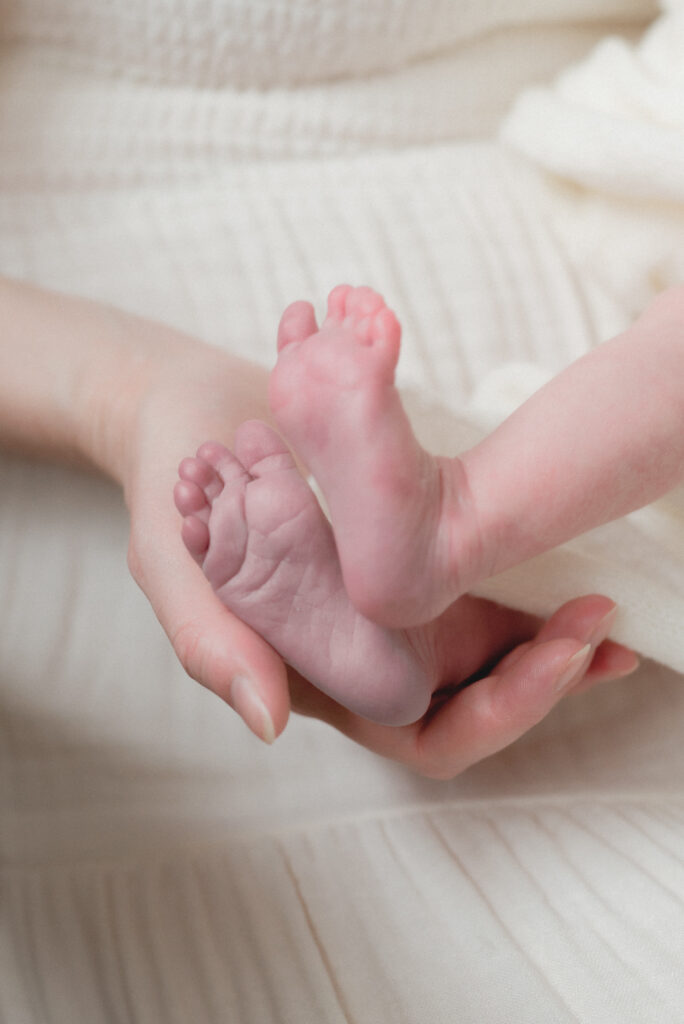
(242, 43)
(500, 913)
(158, 864)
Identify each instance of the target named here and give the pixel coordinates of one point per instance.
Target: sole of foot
(254, 526)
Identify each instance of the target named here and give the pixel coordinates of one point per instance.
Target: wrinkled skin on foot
(256, 529)
(201, 393)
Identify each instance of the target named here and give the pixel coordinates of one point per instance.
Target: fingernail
(251, 708)
(574, 668)
(602, 628)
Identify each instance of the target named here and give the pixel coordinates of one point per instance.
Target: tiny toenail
(251, 708)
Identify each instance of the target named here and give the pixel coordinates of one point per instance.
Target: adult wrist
(130, 356)
(71, 372)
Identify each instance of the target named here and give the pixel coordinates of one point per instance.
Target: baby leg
(414, 531)
(392, 503)
(603, 438)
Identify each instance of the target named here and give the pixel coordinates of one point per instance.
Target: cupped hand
(513, 670)
(197, 392)
(131, 398)
(194, 393)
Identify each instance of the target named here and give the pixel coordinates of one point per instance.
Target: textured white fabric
(263, 43)
(158, 864)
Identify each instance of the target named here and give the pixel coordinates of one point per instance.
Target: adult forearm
(82, 382)
(71, 372)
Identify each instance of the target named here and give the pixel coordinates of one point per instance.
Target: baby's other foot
(401, 517)
(257, 531)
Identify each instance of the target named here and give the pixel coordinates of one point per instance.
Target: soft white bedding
(157, 863)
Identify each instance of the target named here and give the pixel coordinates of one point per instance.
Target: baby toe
(225, 466)
(364, 330)
(297, 323)
(197, 471)
(385, 325)
(195, 534)
(362, 302)
(212, 452)
(260, 449)
(191, 500)
(386, 331)
(337, 303)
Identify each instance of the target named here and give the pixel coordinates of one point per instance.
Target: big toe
(297, 323)
(386, 331)
(337, 303)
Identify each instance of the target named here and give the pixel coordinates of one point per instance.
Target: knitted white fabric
(205, 163)
(242, 43)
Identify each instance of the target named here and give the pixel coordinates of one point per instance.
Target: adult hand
(193, 394)
(92, 385)
(200, 393)
(132, 397)
(514, 670)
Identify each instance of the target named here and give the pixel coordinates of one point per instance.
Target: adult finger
(475, 723)
(569, 653)
(486, 716)
(489, 715)
(589, 619)
(214, 647)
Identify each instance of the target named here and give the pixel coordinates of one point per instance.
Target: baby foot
(256, 529)
(402, 519)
